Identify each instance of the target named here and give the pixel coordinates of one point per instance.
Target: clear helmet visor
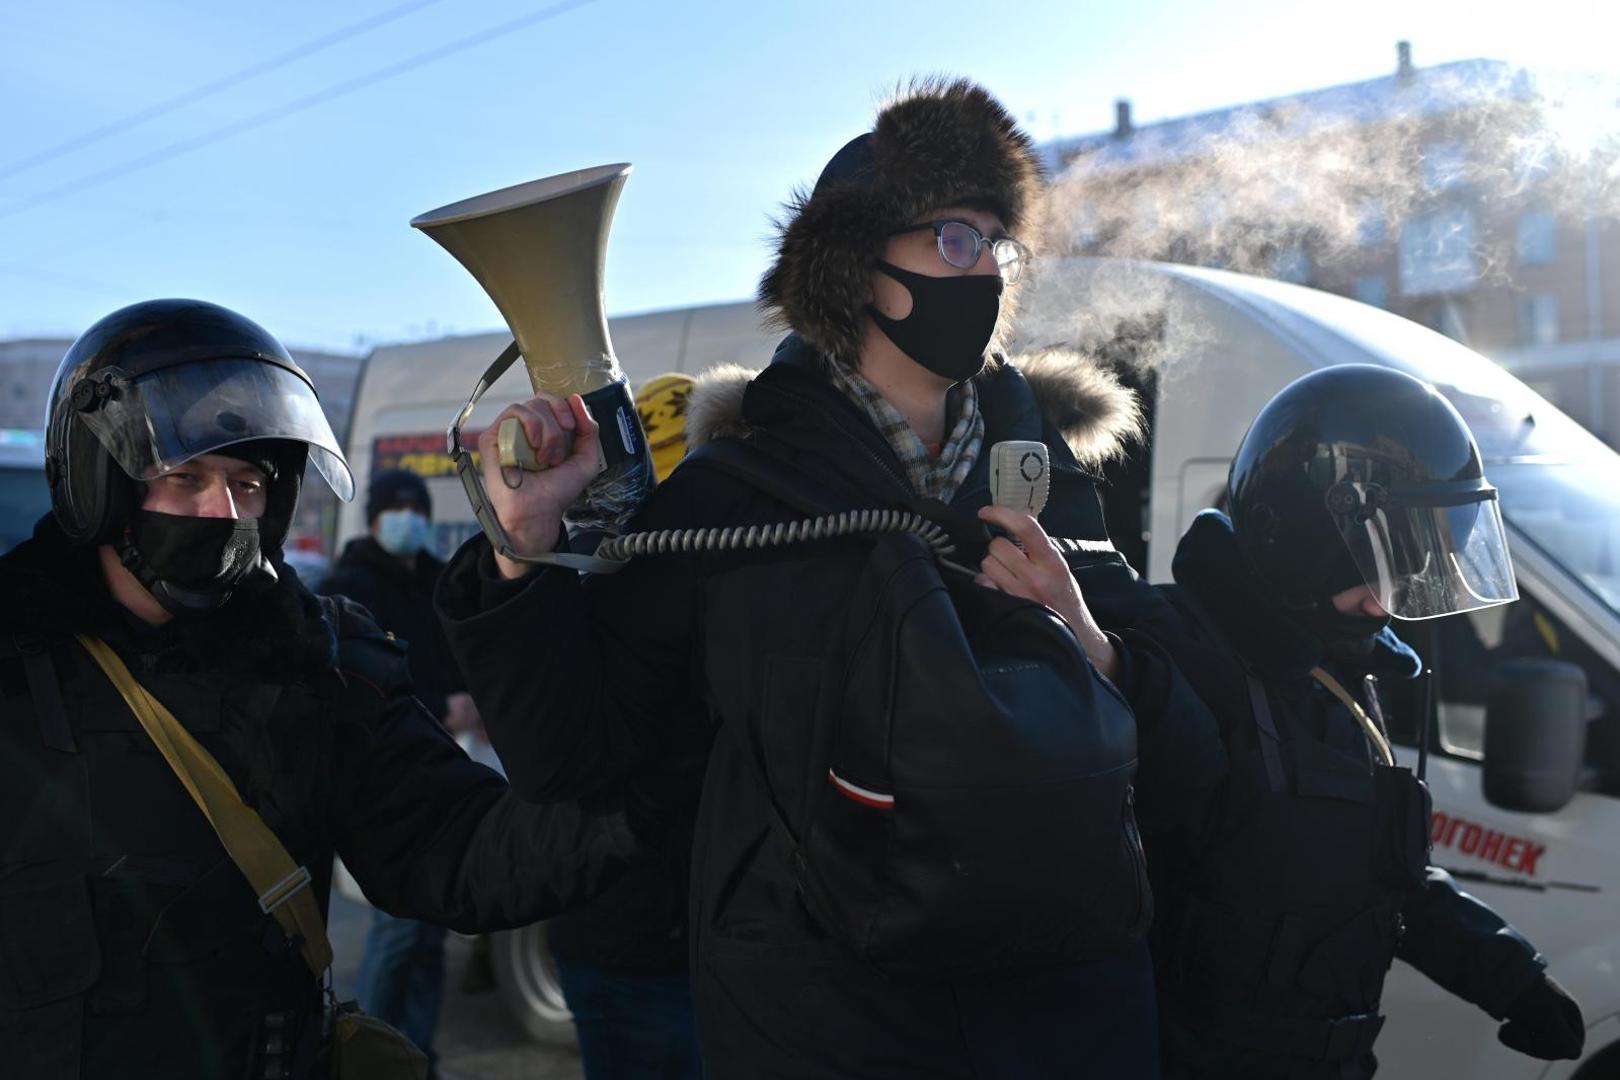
(1425, 561)
(156, 422)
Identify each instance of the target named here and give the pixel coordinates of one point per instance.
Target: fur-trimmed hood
(1097, 415)
(938, 143)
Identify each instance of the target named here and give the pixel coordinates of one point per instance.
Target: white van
(1223, 345)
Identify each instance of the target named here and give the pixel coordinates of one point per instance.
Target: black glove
(1544, 1022)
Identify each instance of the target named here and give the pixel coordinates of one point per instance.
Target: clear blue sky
(300, 222)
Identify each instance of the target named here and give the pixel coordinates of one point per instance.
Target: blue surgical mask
(402, 532)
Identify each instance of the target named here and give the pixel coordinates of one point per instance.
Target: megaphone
(538, 250)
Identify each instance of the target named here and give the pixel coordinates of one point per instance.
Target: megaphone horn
(538, 250)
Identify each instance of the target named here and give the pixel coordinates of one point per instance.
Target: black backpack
(977, 812)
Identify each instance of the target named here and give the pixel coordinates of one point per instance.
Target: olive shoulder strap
(283, 887)
(1374, 736)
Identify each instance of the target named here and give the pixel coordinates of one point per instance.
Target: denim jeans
(401, 978)
(632, 1027)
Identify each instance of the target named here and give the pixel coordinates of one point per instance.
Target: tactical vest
(130, 944)
(1291, 914)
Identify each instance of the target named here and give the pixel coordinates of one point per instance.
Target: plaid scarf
(933, 478)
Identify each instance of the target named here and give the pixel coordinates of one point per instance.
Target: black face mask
(1346, 637)
(192, 564)
(951, 320)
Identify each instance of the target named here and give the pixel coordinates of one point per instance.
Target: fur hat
(939, 143)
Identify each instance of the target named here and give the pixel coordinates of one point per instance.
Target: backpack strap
(759, 468)
(34, 650)
(748, 461)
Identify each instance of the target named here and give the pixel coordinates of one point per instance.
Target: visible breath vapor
(1441, 161)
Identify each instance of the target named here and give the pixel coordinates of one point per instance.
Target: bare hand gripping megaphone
(538, 250)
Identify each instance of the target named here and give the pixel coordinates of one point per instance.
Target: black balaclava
(951, 322)
(195, 565)
(1348, 637)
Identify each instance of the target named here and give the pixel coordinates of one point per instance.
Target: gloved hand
(1544, 1022)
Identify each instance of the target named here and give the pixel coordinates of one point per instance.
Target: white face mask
(402, 532)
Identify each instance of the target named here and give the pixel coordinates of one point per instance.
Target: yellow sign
(661, 404)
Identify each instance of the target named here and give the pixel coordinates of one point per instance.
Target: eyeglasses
(960, 244)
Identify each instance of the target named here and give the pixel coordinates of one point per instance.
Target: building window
(1538, 319)
(1372, 224)
(1445, 166)
(1373, 289)
(1538, 239)
(1292, 264)
(1437, 252)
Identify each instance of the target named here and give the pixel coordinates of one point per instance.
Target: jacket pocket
(49, 950)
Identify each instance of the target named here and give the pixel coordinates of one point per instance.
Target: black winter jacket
(633, 668)
(400, 599)
(130, 945)
(638, 924)
(1226, 873)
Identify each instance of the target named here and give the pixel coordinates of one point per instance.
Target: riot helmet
(1358, 474)
(156, 384)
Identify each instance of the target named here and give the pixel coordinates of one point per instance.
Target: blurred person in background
(390, 573)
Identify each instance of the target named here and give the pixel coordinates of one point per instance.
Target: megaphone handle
(515, 451)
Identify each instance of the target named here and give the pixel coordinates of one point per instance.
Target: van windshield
(1560, 485)
(1572, 513)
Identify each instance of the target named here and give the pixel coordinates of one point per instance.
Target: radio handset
(1020, 476)
(1019, 480)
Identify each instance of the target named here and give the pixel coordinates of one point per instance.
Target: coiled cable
(620, 549)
